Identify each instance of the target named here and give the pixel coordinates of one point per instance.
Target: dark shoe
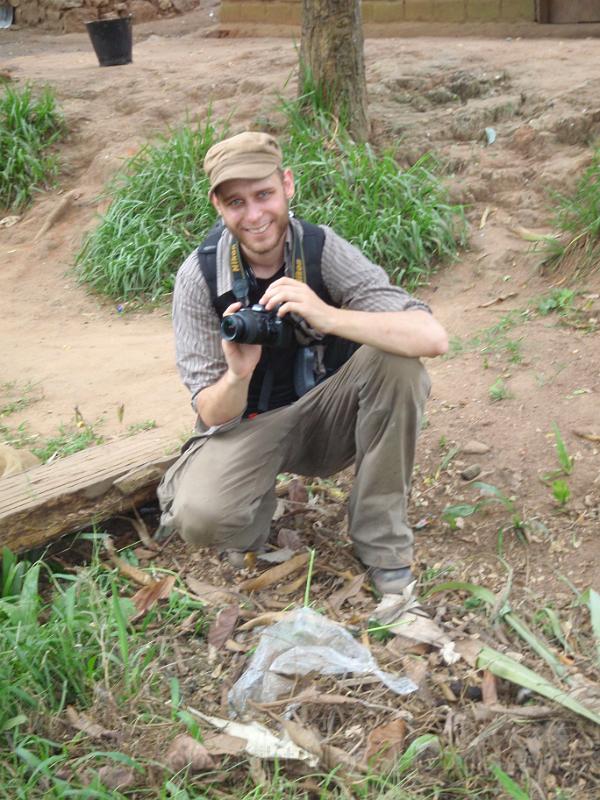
(391, 581)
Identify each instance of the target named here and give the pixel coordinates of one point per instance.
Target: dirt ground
(439, 94)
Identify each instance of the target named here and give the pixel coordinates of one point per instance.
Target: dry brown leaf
(144, 554)
(293, 586)
(185, 752)
(212, 595)
(500, 299)
(142, 531)
(296, 491)
(82, 722)
(488, 688)
(223, 626)
(268, 618)
(148, 595)
(224, 744)
(116, 777)
(591, 437)
(128, 570)
(330, 757)
(257, 772)
(275, 574)
(385, 744)
(350, 589)
(289, 538)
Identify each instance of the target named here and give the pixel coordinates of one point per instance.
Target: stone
(143, 11)
(183, 6)
(470, 472)
(473, 447)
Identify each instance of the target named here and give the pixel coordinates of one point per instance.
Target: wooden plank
(45, 502)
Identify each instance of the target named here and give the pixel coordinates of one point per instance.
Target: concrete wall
(69, 16)
(287, 12)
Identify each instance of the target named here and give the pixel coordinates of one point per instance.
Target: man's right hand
(241, 358)
(228, 397)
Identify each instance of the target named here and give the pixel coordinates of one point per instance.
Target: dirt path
(539, 96)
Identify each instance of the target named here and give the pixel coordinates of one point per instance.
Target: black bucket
(111, 39)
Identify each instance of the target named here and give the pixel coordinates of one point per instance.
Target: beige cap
(247, 155)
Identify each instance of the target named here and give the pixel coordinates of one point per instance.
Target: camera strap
(240, 285)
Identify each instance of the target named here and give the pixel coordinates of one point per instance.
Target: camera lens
(233, 328)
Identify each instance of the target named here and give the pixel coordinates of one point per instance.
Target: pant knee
(407, 373)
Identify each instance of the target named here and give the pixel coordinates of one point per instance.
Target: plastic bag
(305, 642)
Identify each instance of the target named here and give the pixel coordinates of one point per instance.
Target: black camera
(256, 325)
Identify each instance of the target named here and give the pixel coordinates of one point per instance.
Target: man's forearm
(224, 400)
(405, 333)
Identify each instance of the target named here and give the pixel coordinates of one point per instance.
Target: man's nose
(253, 211)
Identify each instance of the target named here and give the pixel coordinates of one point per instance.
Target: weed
(17, 437)
(18, 398)
(70, 439)
(561, 491)
(564, 459)
(511, 788)
(558, 300)
(28, 128)
(499, 391)
(137, 427)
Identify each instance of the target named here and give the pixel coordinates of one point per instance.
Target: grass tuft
(29, 126)
(578, 221)
(159, 210)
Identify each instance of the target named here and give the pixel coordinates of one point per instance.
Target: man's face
(256, 211)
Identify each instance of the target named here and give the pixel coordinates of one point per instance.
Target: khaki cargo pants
(221, 492)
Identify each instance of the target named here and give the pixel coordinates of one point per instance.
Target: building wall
(287, 12)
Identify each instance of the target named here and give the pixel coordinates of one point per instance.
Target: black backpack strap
(313, 241)
(207, 259)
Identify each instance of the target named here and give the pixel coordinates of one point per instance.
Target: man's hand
(298, 298)
(241, 358)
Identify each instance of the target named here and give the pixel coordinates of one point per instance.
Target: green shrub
(28, 128)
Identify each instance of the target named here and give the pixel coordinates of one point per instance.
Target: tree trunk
(331, 59)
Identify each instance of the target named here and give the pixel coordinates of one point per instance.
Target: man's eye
(234, 203)
(266, 193)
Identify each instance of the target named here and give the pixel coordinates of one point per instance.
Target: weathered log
(45, 502)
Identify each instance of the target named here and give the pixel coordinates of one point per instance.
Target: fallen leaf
(500, 299)
(591, 437)
(116, 777)
(223, 626)
(289, 538)
(144, 554)
(329, 756)
(149, 595)
(297, 491)
(128, 570)
(275, 574)
(141, 529)
(82, 722)
(224, 744)
(257, 772)
(350, 589)
(212, 595)
(488, 688)
(268, 618)
(385, 744)
(185, 752)
(276, 556)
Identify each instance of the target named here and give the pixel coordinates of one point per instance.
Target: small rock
(470, 472)
(473, 447)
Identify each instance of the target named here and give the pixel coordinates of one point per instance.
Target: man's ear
(288, 183)
(214, 199)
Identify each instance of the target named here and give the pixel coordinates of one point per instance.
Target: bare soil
(426, 94)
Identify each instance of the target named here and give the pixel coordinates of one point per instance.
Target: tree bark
(331, 56)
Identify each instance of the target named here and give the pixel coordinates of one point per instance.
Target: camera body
(256, 325)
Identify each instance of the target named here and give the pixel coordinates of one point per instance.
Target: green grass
(160, 209)
(29, 126)
(577, 220)
(159, 212)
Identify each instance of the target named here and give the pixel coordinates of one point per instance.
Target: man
(365, 408)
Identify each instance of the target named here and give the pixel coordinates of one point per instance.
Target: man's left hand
(297, 298)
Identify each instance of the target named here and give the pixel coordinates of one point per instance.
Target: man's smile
(260, 229)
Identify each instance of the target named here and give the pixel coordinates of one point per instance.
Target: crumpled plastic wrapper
(305, 642)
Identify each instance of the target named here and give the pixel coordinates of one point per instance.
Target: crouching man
(316, 367)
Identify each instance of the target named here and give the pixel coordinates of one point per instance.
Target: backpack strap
(207, 259)
(313, 241)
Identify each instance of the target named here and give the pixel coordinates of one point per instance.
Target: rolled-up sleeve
(199, 354)
(355, 282)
